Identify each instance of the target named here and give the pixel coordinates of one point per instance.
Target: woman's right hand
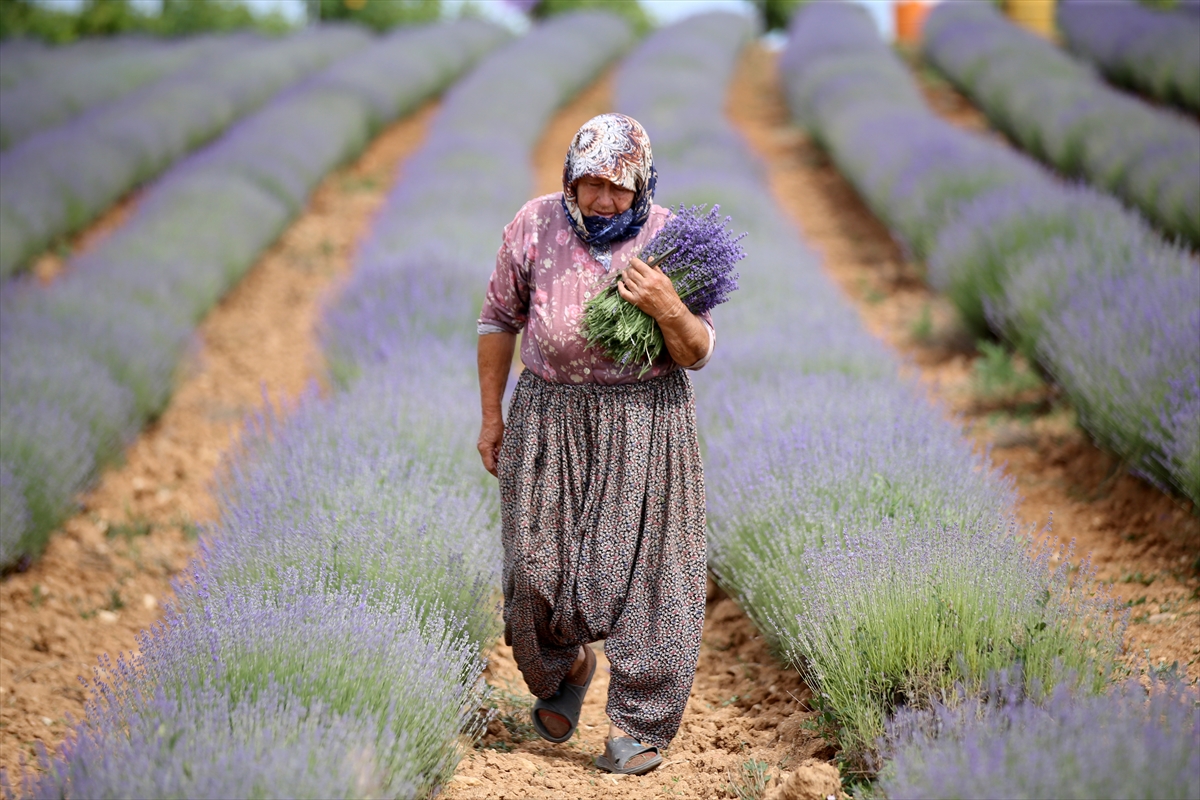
(495, 362)
(491, 436)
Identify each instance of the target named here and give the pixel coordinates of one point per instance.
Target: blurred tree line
(112, 17)
(186, 17)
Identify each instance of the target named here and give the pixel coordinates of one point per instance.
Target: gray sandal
(617, 753)
(567, 703)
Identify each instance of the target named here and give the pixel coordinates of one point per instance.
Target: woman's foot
(581, 671)
(637, 761)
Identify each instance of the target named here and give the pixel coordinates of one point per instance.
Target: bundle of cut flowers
(697, 252)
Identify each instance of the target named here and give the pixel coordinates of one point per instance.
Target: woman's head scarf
(614, 147)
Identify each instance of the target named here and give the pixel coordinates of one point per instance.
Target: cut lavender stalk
(698, 253)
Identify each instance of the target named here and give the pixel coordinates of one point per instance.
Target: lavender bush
(124, 312)
(1059, 111)
(997, 231)
(1124, 743)
(14, 513)
(1133, 376)
(402, 683)
(372, 483)
(273, 747)
(952, 605)
(1004, 239)
(69, 86)
(26, 59)
(1152, 52)
(57, 181)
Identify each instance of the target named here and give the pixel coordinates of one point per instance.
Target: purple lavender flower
(1145, 49)
(100, 346)
(702, 267)
(1057, 109)
(1011, 742)
(1013, 246)
(56, 181)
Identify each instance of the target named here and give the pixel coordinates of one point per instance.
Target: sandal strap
(623, 748)
(567, 703)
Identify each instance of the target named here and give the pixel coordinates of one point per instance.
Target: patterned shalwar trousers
(602, 494)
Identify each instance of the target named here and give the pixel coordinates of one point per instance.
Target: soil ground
(103, 576)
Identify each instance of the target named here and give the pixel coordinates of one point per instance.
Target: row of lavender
(1081, 284)
(851, 91)
(58, 180)
(1153, 52)
(364, 519)
(1060, 111)
(89, 358)
(854, 524)
(27, 59)
(68, 86)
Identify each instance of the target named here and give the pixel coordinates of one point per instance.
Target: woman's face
(599, 197)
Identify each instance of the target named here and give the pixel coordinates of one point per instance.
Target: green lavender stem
(627, 334)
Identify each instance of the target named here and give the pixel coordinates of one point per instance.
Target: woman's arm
(495, 362)
(650, 290)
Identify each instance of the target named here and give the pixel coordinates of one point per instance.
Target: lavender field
(335, 631)
(1061, 112)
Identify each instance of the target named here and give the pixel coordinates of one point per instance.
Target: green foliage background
(381, 14)
(631, 10)
(112, 17)
(776, 14)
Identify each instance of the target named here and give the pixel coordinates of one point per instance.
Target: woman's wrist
(678, 310)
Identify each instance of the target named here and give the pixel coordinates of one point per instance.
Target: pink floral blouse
(544, 275)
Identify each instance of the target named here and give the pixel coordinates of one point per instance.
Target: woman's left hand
(650, 289)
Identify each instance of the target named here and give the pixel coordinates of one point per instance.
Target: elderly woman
(601, 484)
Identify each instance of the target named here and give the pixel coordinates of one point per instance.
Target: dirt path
(1142, 541)
(101, 578)
(50, 264)
(744, 723)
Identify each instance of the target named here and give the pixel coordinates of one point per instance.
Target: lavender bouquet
(697, 252)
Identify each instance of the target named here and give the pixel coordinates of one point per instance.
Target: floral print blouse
(543, 277)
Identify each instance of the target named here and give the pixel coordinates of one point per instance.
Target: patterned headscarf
(614, 147)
